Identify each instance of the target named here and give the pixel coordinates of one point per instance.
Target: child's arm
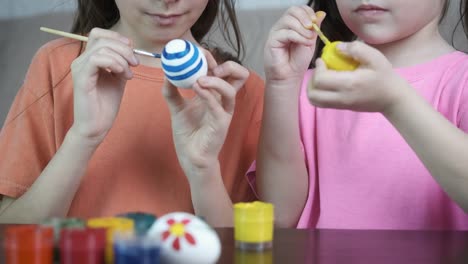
(375, 87)
(53, 191)
(441, 146)
(99, 78)
(200, 126)
(282, 177)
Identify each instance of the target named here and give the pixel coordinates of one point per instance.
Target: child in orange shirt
(96, 140)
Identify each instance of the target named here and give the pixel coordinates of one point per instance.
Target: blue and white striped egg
(183, 63)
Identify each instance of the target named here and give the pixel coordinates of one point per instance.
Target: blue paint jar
(136, 250)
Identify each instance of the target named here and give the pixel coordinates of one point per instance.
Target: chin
(377, 39)
(374, 41)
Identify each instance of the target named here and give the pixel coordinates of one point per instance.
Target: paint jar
(136, 250)
(58, 224)
(142, 221)
(30, 244)
(253, 225)
(253, 257)
(114, 225)
(82, 245)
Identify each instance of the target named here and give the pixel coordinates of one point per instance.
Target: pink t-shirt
(362, 173)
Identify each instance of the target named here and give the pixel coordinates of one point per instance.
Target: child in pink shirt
(381, 147)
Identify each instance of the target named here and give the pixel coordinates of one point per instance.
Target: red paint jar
(82, 246)
(30, 244)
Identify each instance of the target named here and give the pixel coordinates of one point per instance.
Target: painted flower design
(177, 230)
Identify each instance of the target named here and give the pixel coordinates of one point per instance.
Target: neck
(420, 47)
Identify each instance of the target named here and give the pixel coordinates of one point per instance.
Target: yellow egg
(336, 60)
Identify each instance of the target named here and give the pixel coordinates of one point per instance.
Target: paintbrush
(85, 39)
(320, 34)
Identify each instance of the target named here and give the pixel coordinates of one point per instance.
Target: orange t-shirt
(136, 167)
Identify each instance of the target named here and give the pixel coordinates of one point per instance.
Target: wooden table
(293, 246)
(355, 246)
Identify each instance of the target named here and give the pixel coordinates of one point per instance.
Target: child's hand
(291, 43)
(200, 124)
(373, 87)
(99, 78)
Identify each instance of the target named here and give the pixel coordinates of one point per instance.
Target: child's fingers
(102, 62)
(326, 99)
(99, 38)
(361, 52)
(97, 33)
(297, 19)
(210, 60)
(320, 72)
(123, 50)
(325, 79)
(287, 36)
(304, 14)
(121, 61)
(311, 14)
(223, 88)
(233, 72)
(210, 100)
(320, 66)
(173, 97)
(314, 17)
(319, 17)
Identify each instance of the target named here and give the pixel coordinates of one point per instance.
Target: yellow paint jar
(114, 225)
(253, 225)
(336, 60)
(252, 257)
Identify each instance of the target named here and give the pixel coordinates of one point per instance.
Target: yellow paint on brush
(253, 222)
(320, 34)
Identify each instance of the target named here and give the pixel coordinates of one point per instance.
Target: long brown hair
(335, 28)
(104, 14)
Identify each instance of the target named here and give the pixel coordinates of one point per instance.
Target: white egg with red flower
(185, 238)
